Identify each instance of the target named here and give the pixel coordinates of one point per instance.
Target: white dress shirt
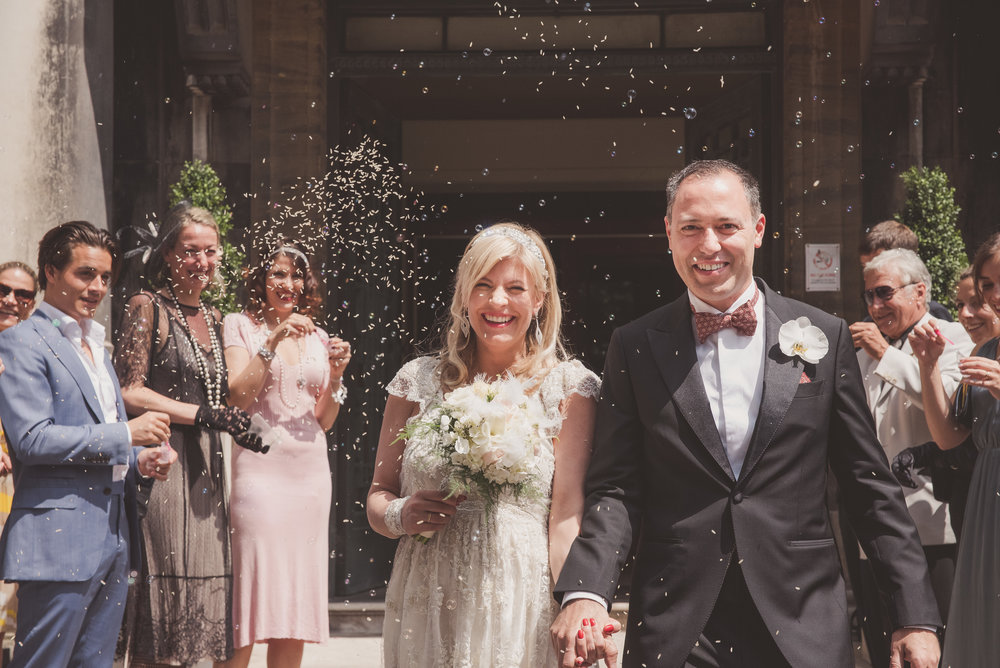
(740, 359)
(93, 333)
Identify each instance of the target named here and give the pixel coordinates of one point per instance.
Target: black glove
(234, 420)
(251, 442)
(904, 463)
(228, 418)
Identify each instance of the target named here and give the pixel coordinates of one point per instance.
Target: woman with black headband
(169, 359)
(289, 374)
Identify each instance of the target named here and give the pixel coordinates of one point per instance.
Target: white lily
(801, 338)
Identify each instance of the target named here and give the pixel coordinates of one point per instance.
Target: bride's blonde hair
(495, 243)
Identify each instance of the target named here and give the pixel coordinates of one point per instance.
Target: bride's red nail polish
(609, 628)
(593, 622)
(579, 634)
(585, 622)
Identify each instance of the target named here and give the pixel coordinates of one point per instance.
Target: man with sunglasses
(897, 293)
(18, 287)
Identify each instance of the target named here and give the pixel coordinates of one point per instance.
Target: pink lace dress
(280, 501)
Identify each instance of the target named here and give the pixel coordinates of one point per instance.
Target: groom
(712, 446)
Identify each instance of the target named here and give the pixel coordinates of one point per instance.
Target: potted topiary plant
(930, 211)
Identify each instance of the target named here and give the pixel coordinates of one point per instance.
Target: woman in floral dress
(479, 591)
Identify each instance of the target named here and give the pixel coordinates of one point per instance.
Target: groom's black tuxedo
(659, 469)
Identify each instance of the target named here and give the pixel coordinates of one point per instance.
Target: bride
(479, 591)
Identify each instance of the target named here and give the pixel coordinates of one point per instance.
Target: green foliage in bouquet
(930, 211)
(200, 185)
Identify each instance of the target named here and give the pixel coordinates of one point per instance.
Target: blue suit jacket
(63, 454)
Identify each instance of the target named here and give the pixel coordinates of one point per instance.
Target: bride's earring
(538, 331)
(464, 325)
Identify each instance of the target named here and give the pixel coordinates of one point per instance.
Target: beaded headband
(290, 250)
(521, 238)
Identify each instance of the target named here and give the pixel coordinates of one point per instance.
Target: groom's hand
(581, 635)
(917, 646)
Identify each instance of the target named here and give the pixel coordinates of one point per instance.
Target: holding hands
(581, 635)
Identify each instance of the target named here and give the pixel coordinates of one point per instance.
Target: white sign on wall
(822, 267)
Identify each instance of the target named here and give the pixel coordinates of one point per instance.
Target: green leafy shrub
(200, 185)
(930, 211)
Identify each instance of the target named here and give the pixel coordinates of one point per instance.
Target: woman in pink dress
(286, 371)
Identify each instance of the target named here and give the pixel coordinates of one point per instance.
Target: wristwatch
(266, 354)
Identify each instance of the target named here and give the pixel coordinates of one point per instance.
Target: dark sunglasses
(23, 296)
(883, 292)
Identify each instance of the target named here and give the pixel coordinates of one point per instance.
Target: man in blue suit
(76, 462)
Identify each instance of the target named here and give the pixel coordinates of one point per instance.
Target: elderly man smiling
(897, 293)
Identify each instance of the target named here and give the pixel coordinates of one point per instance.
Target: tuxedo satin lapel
(673, 350)
(64, 351)
(781, 381)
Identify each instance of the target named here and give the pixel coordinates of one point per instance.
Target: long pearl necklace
(300, 382)
(213, 387)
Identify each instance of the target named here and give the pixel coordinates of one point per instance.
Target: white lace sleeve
(570, 377)
(416, 381)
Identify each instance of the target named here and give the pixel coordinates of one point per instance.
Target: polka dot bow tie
(743, 320)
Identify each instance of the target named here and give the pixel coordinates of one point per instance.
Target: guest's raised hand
(296, 325)
(927, 343)
(150, 428)
(866, 336)
(981, 372)
(5, 464)
(339, 352)
(428, 510)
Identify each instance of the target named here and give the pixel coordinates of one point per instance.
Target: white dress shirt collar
(93, 332)
(702, 306)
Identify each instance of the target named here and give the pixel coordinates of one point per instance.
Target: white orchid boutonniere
(801, 338)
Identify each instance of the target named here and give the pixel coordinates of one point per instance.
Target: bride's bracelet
(394, 516)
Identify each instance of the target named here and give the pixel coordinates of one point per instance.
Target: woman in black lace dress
(169, 359)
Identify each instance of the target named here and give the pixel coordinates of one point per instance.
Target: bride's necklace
(213, 387)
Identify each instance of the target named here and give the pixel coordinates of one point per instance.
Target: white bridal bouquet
(489, 434)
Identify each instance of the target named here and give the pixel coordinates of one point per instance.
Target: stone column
(288, 114)
(51, 141)
(820, 146)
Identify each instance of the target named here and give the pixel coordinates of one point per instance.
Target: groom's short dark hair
(56, 247)
(702, 168)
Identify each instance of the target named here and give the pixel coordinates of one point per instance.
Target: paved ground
(367, 653)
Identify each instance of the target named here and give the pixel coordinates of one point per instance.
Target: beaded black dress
(182, 600)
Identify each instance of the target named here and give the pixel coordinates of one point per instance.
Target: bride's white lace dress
(479, 593)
